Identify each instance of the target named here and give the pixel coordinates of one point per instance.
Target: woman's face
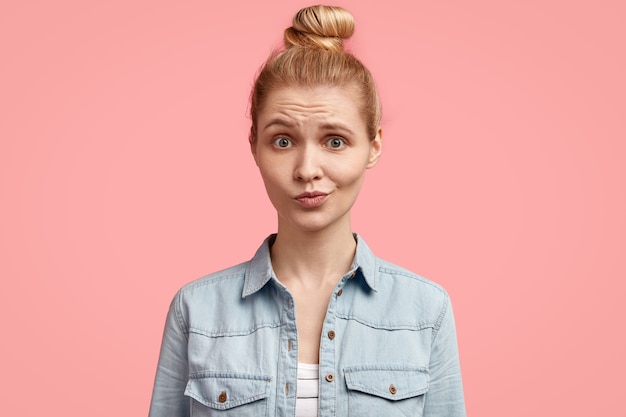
(312, 149)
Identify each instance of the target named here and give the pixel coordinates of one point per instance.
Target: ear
(376, 149)
(253, 150)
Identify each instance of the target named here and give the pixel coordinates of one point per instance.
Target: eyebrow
(277, 122)
(326, 126)
(337, 126)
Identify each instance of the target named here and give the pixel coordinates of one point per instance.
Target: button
(288, 345)
(330, 378)
(339, 293)
(287, 390)
(353, 275)
(222, 397)
(331, 334)
(392, 389)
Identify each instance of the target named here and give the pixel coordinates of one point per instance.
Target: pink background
(125, 173)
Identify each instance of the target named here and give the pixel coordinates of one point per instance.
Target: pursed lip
(311, 195)
(311, 199)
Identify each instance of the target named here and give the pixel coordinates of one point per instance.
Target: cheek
(348, 175)
(273, 177)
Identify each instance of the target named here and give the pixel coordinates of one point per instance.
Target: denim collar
(259, 270)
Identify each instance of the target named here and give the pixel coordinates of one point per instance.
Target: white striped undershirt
(307, 389)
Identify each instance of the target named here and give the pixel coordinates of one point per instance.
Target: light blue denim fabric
(388, 345)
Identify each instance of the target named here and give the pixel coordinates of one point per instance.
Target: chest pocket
(228, 394)
(388, 389)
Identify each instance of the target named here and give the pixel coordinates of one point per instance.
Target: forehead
(301, 105)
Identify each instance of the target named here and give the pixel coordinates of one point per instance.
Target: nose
(308, 165)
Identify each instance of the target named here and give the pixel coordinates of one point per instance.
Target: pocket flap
(393, 382)
(222, 391)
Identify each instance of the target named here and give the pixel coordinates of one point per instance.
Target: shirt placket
(287, 376)
(328, 367)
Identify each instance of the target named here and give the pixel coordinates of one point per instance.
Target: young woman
(314, 324)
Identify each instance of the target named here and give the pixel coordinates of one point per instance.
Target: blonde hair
(313, 55)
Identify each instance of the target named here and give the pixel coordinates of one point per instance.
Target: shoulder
(222, 293)
(385, 276)
(402, 276)
(215, 305)
(407, 288)
(225, 276)
(219, 286)
(400, 295)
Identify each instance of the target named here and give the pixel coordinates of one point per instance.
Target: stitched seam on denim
(385, 394)
(385, 367)
(376, 268)
(208, 280)
(232, 404)
(420, 326)
(257, 288)
(229, 404)
(444, 309)
(412, 276)
(229, 375)
(261, 391)
(180, 319)
(240, 332)
(348, 372)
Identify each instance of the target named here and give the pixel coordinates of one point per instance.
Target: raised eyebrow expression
(337, 128)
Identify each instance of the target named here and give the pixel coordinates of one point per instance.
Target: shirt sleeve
(445, 392)
(168, 399)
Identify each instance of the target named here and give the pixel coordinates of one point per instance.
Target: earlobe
(376, 149)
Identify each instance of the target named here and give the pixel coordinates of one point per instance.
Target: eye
(336, 143)
(282, 143)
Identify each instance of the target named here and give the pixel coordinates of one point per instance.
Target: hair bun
(320, 26)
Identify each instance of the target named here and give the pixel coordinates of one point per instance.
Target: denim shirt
(388, 345)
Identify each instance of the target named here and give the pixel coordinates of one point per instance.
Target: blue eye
(282, 143)
(336, 143)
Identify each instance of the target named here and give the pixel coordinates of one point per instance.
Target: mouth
(312, 199)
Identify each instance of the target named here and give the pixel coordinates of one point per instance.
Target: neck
(314, 258)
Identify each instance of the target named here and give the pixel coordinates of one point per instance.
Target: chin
(308, 226)
(314, 222)
(313, 228)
